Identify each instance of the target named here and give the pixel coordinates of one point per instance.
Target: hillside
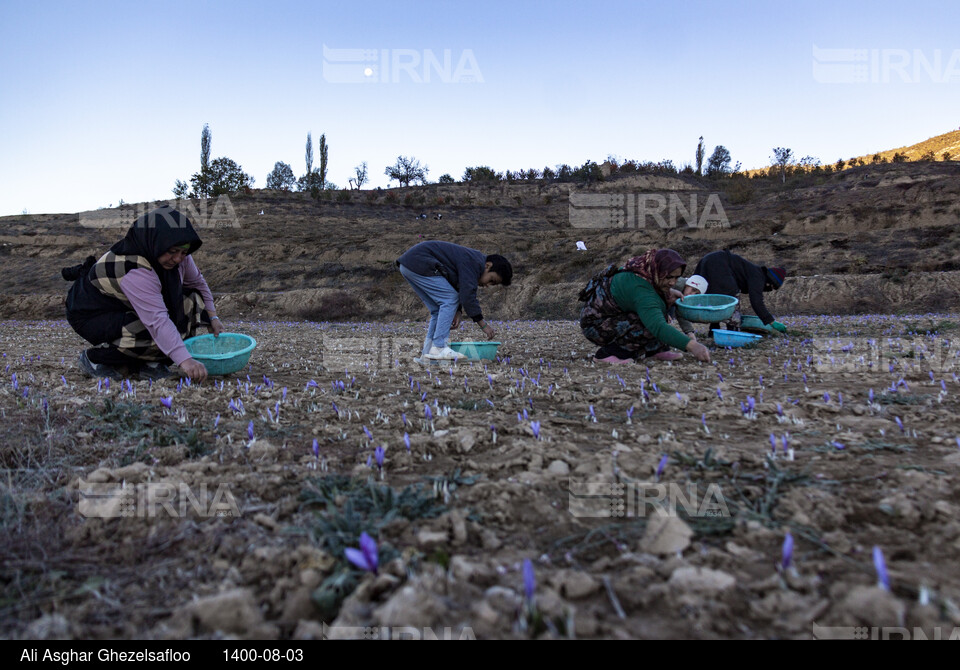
(938, 146)
(877, 238)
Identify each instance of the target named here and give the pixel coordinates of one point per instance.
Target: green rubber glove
(779, 326)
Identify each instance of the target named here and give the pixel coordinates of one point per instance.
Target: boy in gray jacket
(445, 276)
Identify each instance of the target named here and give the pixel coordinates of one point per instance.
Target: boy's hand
(779, 326)
(456, 321)
(489, 332)
(216, 325)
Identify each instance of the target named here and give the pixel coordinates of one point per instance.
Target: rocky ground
(652, 501)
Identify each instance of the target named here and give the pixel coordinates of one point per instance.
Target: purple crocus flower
(403, 417)
(826, 398)
(535, 427)
(366, 557)
(899, 424)
(63, 379)
(529, 580)
(316, 448)
(719, 393)
(870, 396)
(379, 453)
(883, 579)
(787, 554)
(773, 443)
(661, 466)
(167, 402)
(406, 441)
(838, 445)
(216, 421)
(368, 434)
(427, 413)
(630, 412)
(250, 430)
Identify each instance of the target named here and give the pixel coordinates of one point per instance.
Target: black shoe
(154, 372)
(98, 370)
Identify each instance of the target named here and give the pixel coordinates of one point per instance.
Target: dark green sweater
(635, 294)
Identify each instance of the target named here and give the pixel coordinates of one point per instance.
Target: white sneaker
(445, 354)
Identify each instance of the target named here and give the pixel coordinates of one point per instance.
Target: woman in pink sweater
(141, 299)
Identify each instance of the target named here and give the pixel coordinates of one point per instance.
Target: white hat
(697, 282)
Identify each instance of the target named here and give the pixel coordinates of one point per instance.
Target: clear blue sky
(106, 100)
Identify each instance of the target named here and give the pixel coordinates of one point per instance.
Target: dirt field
(541, 455)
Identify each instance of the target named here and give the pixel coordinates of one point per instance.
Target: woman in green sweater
(626, 310)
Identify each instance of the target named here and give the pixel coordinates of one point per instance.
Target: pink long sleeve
(143, 290)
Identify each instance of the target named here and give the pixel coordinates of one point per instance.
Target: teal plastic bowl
(222, 355)
(754, 324)
(477, 351)
(734, 338)
(707, 308)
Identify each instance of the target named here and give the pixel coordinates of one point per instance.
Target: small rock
(458, 527)
(701, 580)
(49, 627)
(574, 584)
(233, 611)
(665, 535)
(265, 520)
(430, 539)
(559, 468)
(872, 606)
(99, 476)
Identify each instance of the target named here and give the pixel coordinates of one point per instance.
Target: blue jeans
(441, 299)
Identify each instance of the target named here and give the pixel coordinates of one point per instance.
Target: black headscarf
(152, 235)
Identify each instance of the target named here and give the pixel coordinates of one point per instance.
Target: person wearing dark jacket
(140, 300)
(730, 274)
(445, 276)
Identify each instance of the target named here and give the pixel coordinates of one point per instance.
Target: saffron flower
(366, 557)
(427, 413)
(250, 430)
(316, 448)
(535, 427)
(787, 554)
(406, 441)
(883, 579)
(529, 580)
(379, 453)
(167, 402)
(661, 466)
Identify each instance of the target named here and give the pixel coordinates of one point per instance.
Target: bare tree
(782, 158)
(361, 175)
